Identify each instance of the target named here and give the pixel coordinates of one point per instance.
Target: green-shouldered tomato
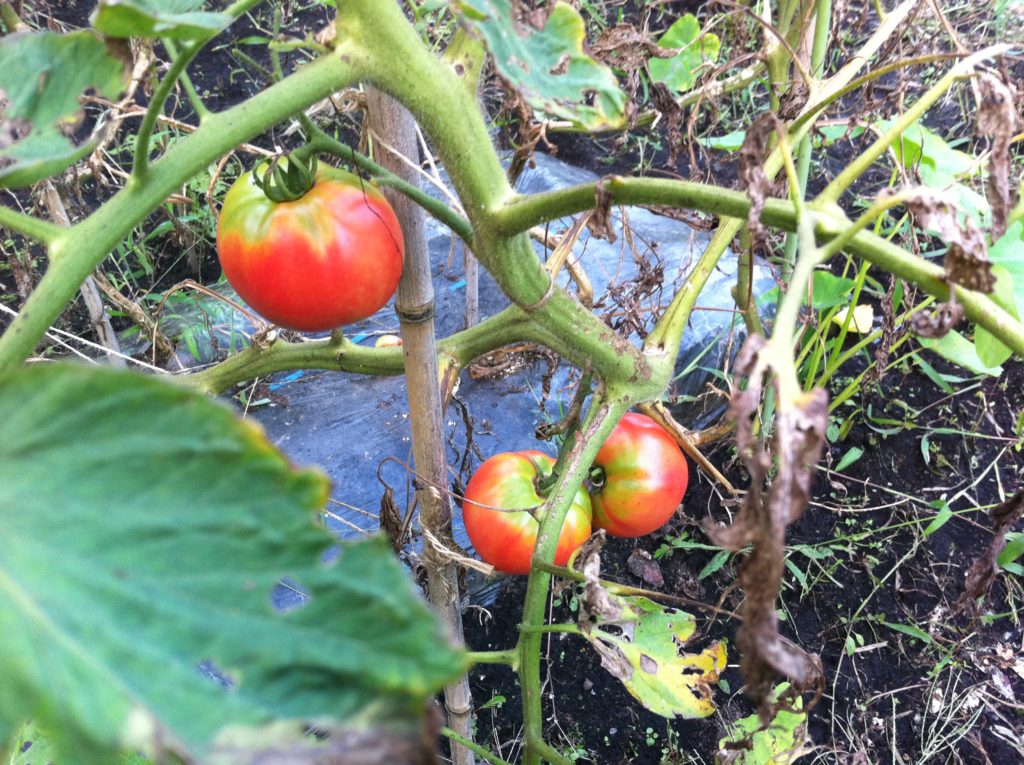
(639, 480)
(331, 257)
(502, 510)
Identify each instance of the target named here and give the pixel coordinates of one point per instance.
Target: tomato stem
(542, 482)
(287, 178)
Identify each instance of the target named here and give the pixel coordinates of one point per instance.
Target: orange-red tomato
(508, 482)
(641, 479)
(329, 258)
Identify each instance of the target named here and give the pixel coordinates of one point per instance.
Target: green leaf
(728, 142)
(956, 348)
(941, 518)
(42, 75)
(643, 650)
(1008, 252)
(549, 67)
(826, 135)
(40, 155)
(31, 745)
(933, 374)
(175, 19)
(680, 72)
(920, 148)
(991, 350)
(715, 564)
(941, 167)
(828, 290)
(781, 742)
(908, 629)
(853, 454)
(1013, 549)
(143, 530)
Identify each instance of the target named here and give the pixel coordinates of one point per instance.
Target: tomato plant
(330, 257)
(510, 482)
(639, 479)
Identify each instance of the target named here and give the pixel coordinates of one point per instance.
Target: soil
(889, 696)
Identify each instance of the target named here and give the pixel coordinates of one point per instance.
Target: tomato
(640, 479)
(508, 481)
(331, 257)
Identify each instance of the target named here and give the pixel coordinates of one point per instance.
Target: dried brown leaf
(751, 175)
(997, 118)
(391, 519)
(628, 49)
(600, 221)
(672, 118)
(597, 605)
(938, 322)
(966, 259)
(764, 516)
(984, 569)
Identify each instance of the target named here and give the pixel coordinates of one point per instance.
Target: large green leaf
(956, 348)
(1008, 252)
(680, 72)
(143, 529)
(177, 19)
(549, 67)
(42, 76)
(991, 350)
(827, 290)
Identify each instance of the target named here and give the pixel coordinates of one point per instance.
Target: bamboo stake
(414, 304)
(89, 291)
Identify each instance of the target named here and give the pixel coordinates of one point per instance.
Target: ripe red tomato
(641, 479)
(331, 257)
(508, 481)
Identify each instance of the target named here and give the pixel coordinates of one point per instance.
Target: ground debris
(984, 569)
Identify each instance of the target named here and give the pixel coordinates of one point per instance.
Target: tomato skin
(332, 257)
(506, 540)
(645, 477)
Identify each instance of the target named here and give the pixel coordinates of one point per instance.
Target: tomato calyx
(597, 477)
(286, 178)
(542, 483)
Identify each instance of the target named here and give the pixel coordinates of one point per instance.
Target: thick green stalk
(340, 355)
(41, 231)
(509, 657)
(368, 33)
(830, 224)
(504, 328)
(76, 251)
(571, 469)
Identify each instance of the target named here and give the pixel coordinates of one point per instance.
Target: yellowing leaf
(643, 650)
(861, 323)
